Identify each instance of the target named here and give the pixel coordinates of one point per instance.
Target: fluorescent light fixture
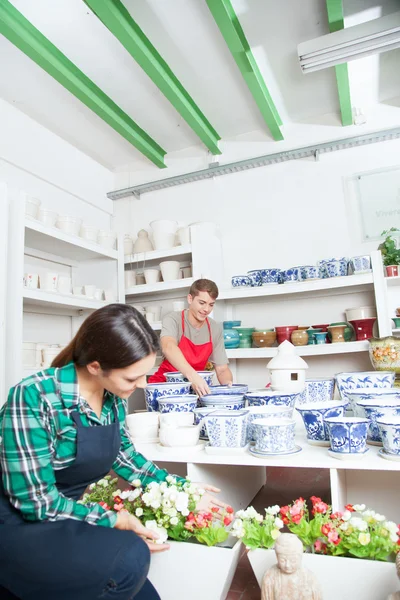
(372, 37)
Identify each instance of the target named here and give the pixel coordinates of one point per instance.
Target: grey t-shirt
(172, 327)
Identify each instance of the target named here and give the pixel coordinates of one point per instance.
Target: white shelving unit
(315, 350)
(181, 252)
(162, 287)
(49, 300)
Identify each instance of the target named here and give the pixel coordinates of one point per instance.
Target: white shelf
(159, 255)
(157, 325)
(54, 241)
(55, 300)
(160, 287)
(312, 350)
(311, 457)
(297, 287)
(391, 281)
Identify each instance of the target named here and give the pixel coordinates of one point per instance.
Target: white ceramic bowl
(47, 217)
(143, 425)
(179, 436)
(67, 224)
(89, 233)
(364, 312)
(371, 393)
(178, 419)
(374, 409)
(186, 403)
(266, 412)
(152, 276)
(170, 270)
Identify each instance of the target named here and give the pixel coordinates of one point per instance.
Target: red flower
(326, 528)
(118, 500)
(336, 515)
(320, 507)
(229, 509)
(214, 509)
(104, 505)
(284, 510)
(297, 518)
(227, 521)
(315, 499)
(349, 507)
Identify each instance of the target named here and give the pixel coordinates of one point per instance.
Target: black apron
(67, 559)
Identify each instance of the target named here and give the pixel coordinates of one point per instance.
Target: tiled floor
(283, 486)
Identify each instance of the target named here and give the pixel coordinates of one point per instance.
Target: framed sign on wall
(379, 201)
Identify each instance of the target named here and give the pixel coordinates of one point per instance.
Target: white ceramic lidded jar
(287, 370)
(142, 244)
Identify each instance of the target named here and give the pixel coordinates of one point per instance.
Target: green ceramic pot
(385, 353)
(396, 321)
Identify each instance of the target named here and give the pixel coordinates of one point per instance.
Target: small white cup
(98, 295)
(77, 290)
(50, 282)
(31, 281)
(90, 290)
(109, 295)
(64, 284)
(143, 425)
(130, 279)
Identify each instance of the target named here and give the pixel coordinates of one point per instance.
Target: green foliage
(390, 252)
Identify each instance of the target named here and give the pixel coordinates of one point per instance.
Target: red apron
(196, 355)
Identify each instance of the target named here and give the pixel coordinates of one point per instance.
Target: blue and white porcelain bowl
(346, 382)
(270, 276)
(199, 414)
(177, 403)
(228, 404)
(227, 428)
(255, 277)
(270, 397)
(311, 272)
(375, 409)
(390, 433)
(274, 436)
(266, 412)
(336, 268)
(371, 393)
(314, 414)
(229, 390)
(347, 435)
(154, 391)
(241, 281)
(317, 390)
(291, 275)
(361, 264)
(177, 377)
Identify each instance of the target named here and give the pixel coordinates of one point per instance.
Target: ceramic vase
(142, 244)
(231, 338)
(299, 338)
(385, 353)
(337, 332)
(392, 271)
(363, 328)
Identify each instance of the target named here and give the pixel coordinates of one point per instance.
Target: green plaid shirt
(39, 438)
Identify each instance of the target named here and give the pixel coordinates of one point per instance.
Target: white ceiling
(185, 34)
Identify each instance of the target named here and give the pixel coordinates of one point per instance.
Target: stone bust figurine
(396, 595)
(288, 580)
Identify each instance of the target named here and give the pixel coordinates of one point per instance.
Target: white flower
(393, 537)
(344, 526)
(196, 498)
(368, 514)
(92, 486)
(163, 486)
(391, 526)
(182, 501)
(155, 504)
(139, 512)
(272, 510)
(237, 528)
(251, 513)
(346, 516)
(124, 495)
(136, 483)
(162, 532)
(278, 523)
(170, 479)
(275, 533)
(379, 517)
(117, 493)
(174, 521)
(259, 518)
(358, 523)
(133, 494)
(166, 503)
(201, 492)
(241, 514)
(103, 482)
(359, 507)
(185, 512)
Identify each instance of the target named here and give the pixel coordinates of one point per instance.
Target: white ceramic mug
(64, 284)
(50, 282)
(98, 295)
(31, 281)
(90, 290)
(77, 290)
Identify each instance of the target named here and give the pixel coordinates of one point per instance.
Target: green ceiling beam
(118, 20)
(233, 34)
(19, 31)
(336, 22)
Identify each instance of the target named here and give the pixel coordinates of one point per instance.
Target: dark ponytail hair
(115, 336)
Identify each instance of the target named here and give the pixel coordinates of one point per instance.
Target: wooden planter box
(195, 571)
(340, 578)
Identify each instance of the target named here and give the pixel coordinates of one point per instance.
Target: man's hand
(199, 385)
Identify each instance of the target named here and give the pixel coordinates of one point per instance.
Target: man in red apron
(190, 339)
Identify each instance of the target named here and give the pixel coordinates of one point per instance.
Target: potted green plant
(390, 252)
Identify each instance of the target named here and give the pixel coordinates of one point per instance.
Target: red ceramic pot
(321, 327)
(363, 328)
(392, 271)
(284, 333)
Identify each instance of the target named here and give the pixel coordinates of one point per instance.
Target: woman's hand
(128, 522)
(199, 385)
(209, 502)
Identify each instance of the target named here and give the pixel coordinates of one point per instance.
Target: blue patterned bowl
(266, 412)
(270, 276)
(239, 405)
(361, 264)
(314, 414)
(347, 435)
(154, 391)
(375, 409)
(353, 381)
(221, 399)
(336, 268)
(255, 277)
(371, 393)
(270, 397)
(228, 390)
(177, 403)
(390, 433)
(227, 428)
(241, 281)
(311, 272)
(274, 436)
(290, 275)
(177, 377)
(317, 390)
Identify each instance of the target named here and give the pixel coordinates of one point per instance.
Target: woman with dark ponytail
(63, 429)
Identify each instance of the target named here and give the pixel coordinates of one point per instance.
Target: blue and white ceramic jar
(255, 277)
(154, 391)
(227, 428)
(347, 435)
(291, 275)
(266, 412)
(390, 433)
(177, 403)
(336, 268)
(313, 415)
(274, 436)
(363, 379)
(361, 264)
(199, 414)
(270, 276)
(311, 272)
(241, 281)
(317, 390)
(387, 394)
(375, 409)
(270, 397)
